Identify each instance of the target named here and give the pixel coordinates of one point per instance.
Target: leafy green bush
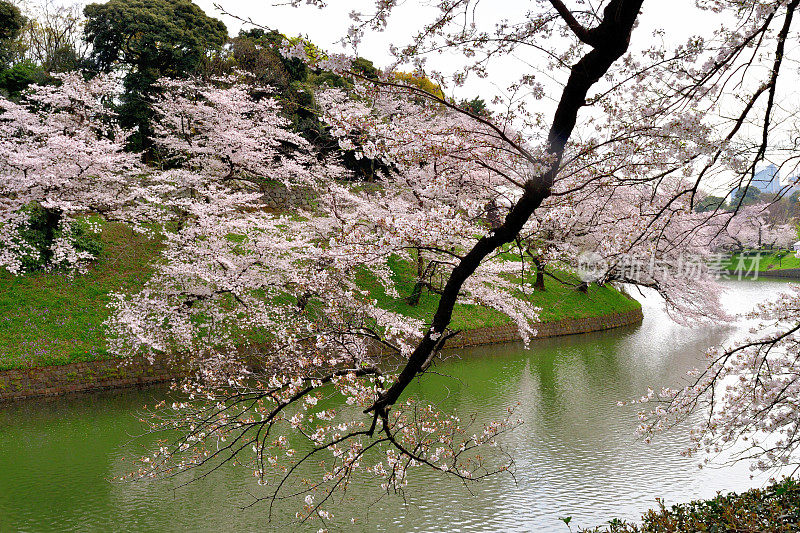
(16, 79)
(774, 509)
(38, 233)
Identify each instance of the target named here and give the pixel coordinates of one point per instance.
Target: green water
(575, 453)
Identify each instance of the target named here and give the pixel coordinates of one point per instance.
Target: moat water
(576, 453)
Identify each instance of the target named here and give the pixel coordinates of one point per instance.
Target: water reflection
(576, 454)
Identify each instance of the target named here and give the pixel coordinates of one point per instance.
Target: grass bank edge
(55, 319)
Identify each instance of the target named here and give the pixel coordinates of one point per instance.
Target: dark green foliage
(257, 53)
(43, 228)
(169, 36)
(476, 106)
(16, 79)
(271, 42)
(710, 203)
(65, 59)
(775, 509)
(11, 23)
(86, 240)
(746, 196)
(329, 79)
(365, 68)
(152, 39)
(296, 68)
(305, 121)
(263, 63)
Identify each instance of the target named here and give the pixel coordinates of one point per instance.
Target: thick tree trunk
(538, 285)
(609, 41)
(45, 223)
(416, 294)
(419, 286)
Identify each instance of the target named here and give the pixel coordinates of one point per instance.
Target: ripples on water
(575, 454)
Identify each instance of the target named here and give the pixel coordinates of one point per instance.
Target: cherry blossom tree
(59, 151)
(292, 282)
(296, 367)
(751, 229)
(616, 171)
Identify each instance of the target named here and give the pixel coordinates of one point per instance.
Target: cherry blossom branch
(582, 33)
(617, 24)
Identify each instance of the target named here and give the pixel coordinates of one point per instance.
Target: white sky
(325, 27)
(680, 19)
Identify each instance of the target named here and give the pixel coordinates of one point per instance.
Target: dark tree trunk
(538, 285)
(609, 41)
(302, 301)
(44, 222)
(419, 286)
(416, 294)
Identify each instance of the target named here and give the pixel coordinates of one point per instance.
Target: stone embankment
(571, 326)
(19, 384)
(26, 383)
(785, 273)
(280, 198)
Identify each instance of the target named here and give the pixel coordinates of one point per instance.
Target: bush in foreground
(773, 509)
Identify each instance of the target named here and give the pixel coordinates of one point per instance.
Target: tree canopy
(11, 24)
(11, 20)
(149, 39)
(746, 195)
(169, 37)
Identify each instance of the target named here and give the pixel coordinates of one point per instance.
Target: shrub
(48, 241)
(16, 79)
(774, 509)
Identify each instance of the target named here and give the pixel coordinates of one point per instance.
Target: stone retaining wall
(280, 198)
(499, 334)
(112, 374)
(790, 273)
(784, 273)
(85, 376)
(276, 196)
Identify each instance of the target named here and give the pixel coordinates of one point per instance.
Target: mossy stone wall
(20, 384)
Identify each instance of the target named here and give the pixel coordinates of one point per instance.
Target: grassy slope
(48, 319)
(768, 261)
(53, 319)
(557, 302)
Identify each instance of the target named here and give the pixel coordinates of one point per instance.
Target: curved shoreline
(22, 384)
(783, 273)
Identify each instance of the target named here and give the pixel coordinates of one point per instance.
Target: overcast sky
(680, 19)
(325, 27)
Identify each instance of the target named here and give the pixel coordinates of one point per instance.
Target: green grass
(768, 261)
(52, 319)
(558, 301)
